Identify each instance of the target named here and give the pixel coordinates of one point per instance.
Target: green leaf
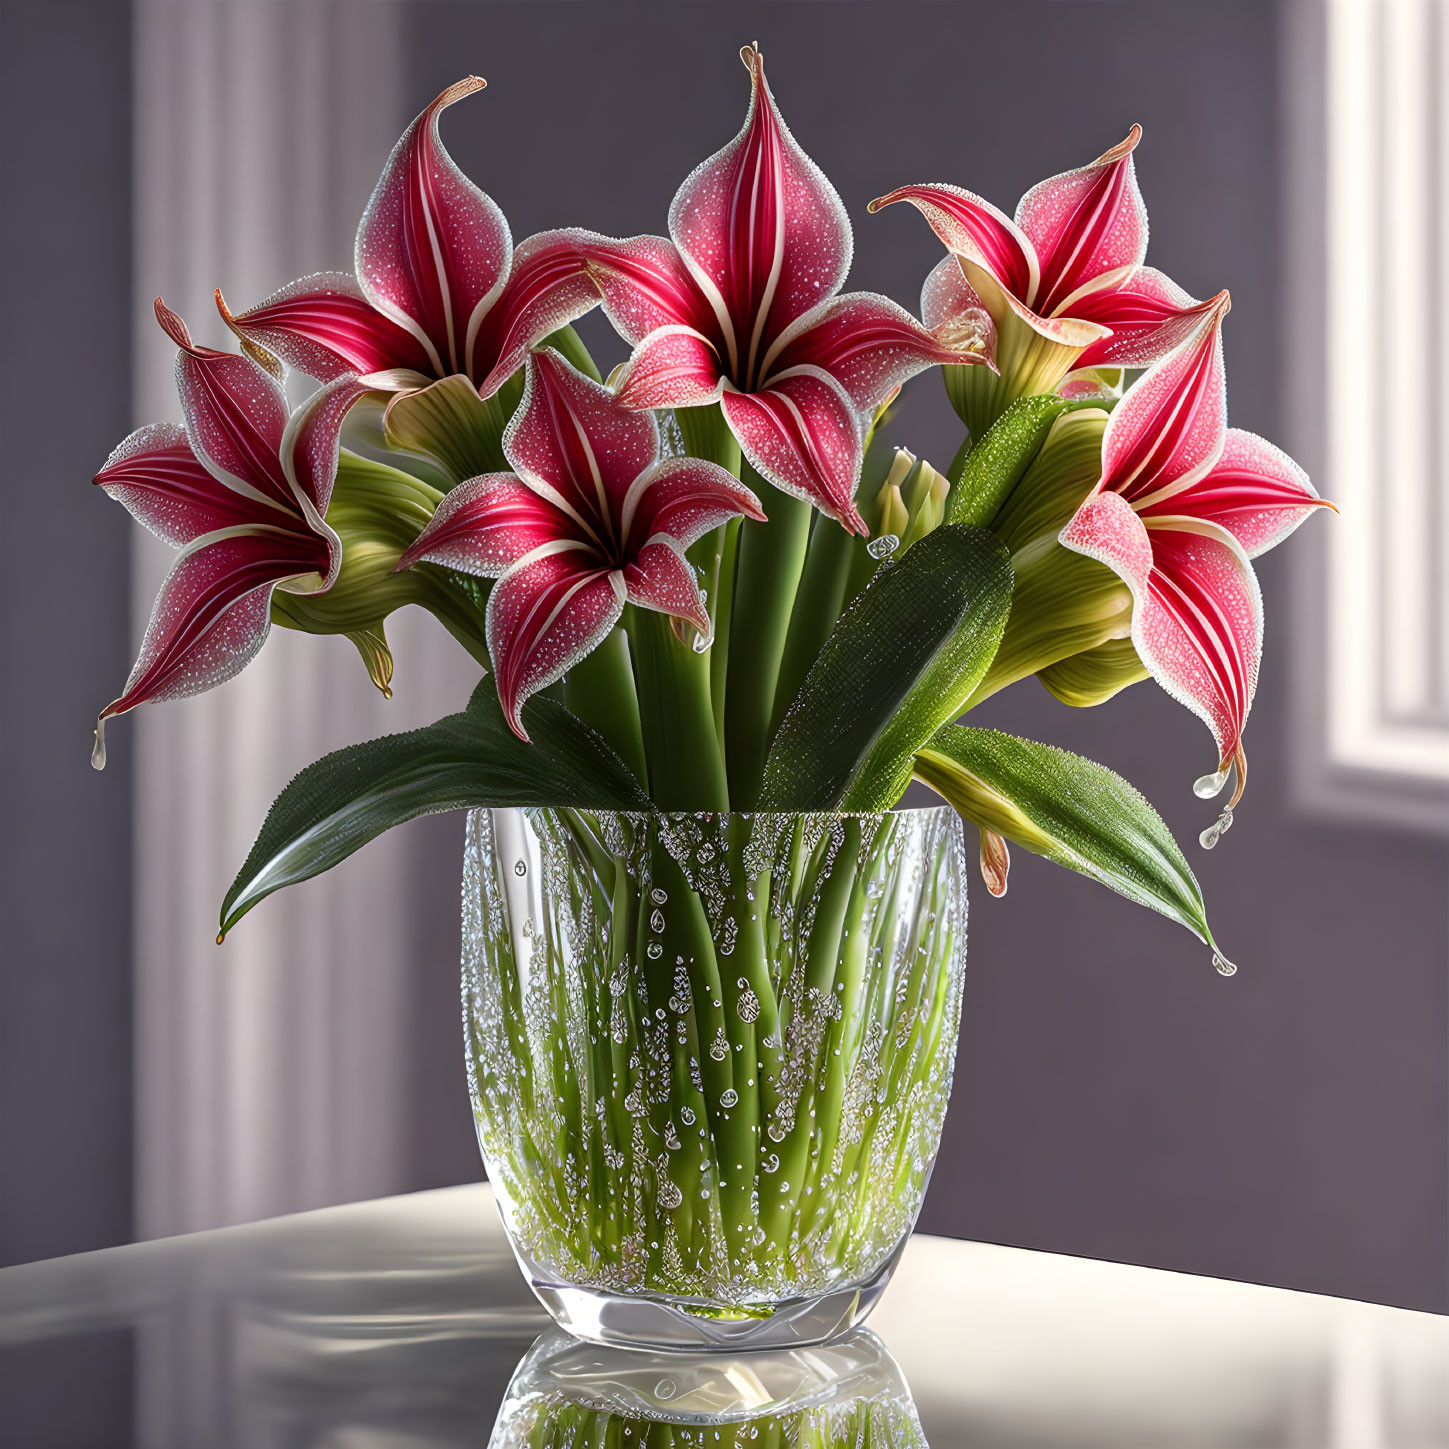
(995, 465)
(1068, 809)
(451, 426)
(898, 665)
(352, 795)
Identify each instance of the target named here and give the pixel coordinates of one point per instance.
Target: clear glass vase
(709, 1059)
(848, 1395)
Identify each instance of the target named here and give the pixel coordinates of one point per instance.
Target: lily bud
(377, 511)
(924, 494)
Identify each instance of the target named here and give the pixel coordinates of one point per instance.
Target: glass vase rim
(912, 811)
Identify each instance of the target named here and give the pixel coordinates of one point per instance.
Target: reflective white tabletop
(400, 1322)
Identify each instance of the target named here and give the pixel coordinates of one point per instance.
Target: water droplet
(658, 896)
(1209, 787)
(654, 950)
(748, 1006)
(1216, 830)
(686, 1115)
(98, 750)
(883, 547)
(656, 921)
(776, 1132)
(771, 1163)
(665, 1389)
(728, 1097)
(702, 642)
(520, 867)
(1222, 965)
(719, 1048)
(669, 1195)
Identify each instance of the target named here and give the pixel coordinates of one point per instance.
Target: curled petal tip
(173, 326)
(753, 58)
(469, 85)
(995, 862)
(253, 349)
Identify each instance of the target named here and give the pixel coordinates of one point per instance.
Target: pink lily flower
(740, 305)
(1182, 505)
(590, 519)
(1064, 283)
(439, 291)
(242, 490)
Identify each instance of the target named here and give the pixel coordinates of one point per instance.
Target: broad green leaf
(995, 465)
(1068, 809)
(897, 666)
(352, 795)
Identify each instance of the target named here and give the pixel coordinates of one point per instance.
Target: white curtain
(270, 1071)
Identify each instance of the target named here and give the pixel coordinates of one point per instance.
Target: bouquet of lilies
(707, 582)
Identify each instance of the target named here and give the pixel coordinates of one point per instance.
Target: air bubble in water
(883, 547)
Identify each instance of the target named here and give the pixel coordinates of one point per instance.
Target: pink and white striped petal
(484, 526)
(802, 434)
(761, 229)
(1197, 615)
(661, 578)
(156, 476)
(1170, 426)
(645, 285)
(546, 613)
(572, 441)
(871, 345)
(1149, 314)
(548, 287)
(684, 498)
(1085, 222)
(310, 445)
(432, 250)
(1256, 492)
(323, 325)
(946, 295)
(674, 367)
(970, 227)
(235, 417)
(211, 614)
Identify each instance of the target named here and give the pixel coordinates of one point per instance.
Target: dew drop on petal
(1209, 787)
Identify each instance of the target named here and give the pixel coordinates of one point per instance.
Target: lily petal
(157, 477)
(673, 367)
(946, 294)
(971, 227)
(484, 526)
(1170, 426)
(324, 326)
(545, 614)
(1255, 491)
(761, 229)
(571, 441)
(235, 417)
(313, 437)
(871, 345)
(432, 250)
(660, 578)
(684, 498)
(1149, 314)
(548, 287)
(803, 434)
(1085, 222)
(211, 614)
(645, 285)
(1197, 615)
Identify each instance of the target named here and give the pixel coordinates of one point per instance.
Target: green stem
(600, 690)
(686, 768)
(818, 605)
(721, 612)
(771, 560)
